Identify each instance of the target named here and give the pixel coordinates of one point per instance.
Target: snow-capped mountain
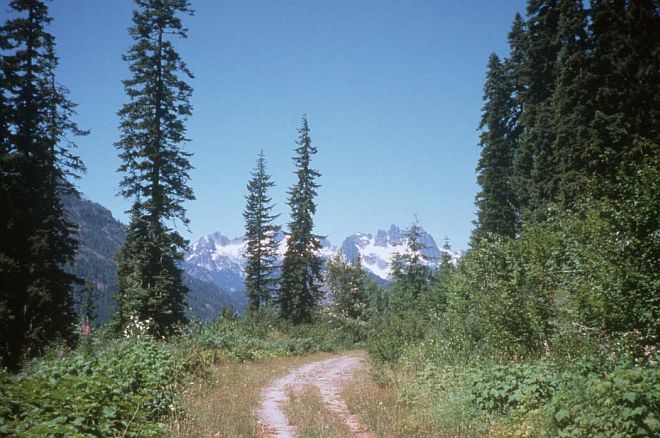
(221, 260)
(377, 251)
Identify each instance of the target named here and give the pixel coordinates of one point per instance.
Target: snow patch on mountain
(221, 260)
(377, 251)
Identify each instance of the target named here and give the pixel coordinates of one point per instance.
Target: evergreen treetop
(156, 168)
(261, 238)
(301, 269)
(36, 158)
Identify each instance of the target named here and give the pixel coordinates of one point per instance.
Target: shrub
(124, 389)
(625, 402)
(502, 388)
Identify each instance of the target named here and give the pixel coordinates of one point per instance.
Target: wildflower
(85, 330)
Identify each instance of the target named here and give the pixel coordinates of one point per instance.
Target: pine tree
(260, 235)
(156, 168)
(626, 49)
(301, 269)
(410, 269)
(523, 159)
(573, 101)
(36, 298)
(446, 264)
(538, 161)
(87, 306)
(496, 201)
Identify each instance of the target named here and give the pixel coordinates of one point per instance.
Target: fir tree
(538, 175)
(446, 264)
(626, 50)
(36, 298)
(260, 234)
(496, 201)
(573, 101)
(543, 50)
(410, 269)
(301, 269)
(87, 306)
(523, 159)
(156, 168)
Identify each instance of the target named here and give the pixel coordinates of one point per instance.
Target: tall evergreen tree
(301, 269)
(87, 307)
(523, 159)
(572, 101)
(496, 201)
(538, 174)
(36, 298)
(260, 234)
(156, 167)
(626, 62)
(445, 261)
(410, 269)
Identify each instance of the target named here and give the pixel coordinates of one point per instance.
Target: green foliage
(612, 256)
(500, 298)
(350, 289)
(501, 388)
(36, 162)
(156, 168)
(300, 290)
(261, 243)
(389, 339)
(496, 202)
(625, 402)
(131, 386)
(126, 387)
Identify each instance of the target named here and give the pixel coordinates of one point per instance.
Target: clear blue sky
(392, 90)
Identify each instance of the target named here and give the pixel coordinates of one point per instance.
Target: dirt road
(329, 376)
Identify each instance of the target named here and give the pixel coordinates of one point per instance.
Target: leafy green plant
(502, 388)
(125, 388)
(625, 402)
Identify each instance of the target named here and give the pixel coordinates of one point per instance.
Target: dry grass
(312, 418)
(223, 404)
(377, 406)
(431, 414)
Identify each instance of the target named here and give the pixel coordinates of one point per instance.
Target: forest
(548, 325)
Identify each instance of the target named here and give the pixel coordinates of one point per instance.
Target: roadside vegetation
(547, 326)
(141, 386)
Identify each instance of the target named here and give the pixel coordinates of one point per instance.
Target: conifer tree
(538, 176)
(260, 235)
(523, 159)
(496, 201)
(87, 306)
(301, 269)
(626, 49)
(36, 298)
(572, 101)
(436, 300)
(446, 264)
(543, 50)
(156, 168)
(410, 269)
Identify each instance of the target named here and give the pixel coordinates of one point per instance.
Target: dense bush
(502, 388)
(125, 388)
(130, 386)
(625, 402)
